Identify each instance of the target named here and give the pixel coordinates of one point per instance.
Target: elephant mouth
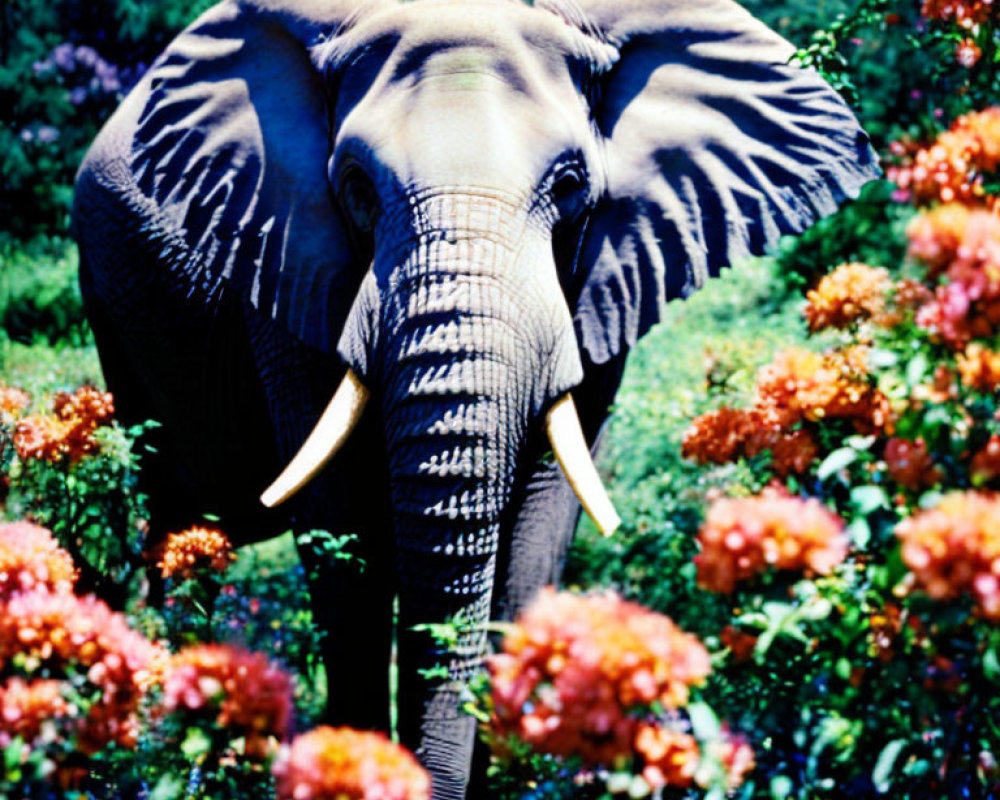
(344, 411)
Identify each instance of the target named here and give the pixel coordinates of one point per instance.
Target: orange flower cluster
(965, 13)
(721, 436)
(574, 669)
(25, 707)
(741, 537)
(797, 389)
(910, 465)
(965, 245)
(852, 292)
(30, 558)
(66, 433)
(62, 632)
(979, 368)
(194, 549)
(953, 166)
(800, 385)
(343, 764)
(954, 548)
(235, 687)
(670, 757)
(13, 401)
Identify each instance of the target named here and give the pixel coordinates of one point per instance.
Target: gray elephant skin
(475, 207)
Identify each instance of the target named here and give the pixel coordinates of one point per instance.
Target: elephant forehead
(500, 37)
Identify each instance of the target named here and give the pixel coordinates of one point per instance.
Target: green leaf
(196, 744)
(882, 773)
(917, 369)
(781, 787)
(867, 499)
(836, 461)
(169, 787)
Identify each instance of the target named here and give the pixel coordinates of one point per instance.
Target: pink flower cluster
(60, 633)
(964, 244)
(742, 537)
(234, 687)
(31, 558)
(574, 670)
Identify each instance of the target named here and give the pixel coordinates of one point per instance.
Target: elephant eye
(358, 197)
(569, 192)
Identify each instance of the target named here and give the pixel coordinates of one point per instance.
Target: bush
(40, 294)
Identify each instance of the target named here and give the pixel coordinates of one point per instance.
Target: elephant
(455, 219)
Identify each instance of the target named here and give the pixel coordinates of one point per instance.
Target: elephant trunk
(465, 341)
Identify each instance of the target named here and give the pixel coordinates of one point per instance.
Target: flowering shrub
(343, 764)
(602, 682)
(71, 469)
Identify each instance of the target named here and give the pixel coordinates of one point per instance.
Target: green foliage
(64, 67)
(39, 293)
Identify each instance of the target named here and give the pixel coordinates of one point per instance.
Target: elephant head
(476, 208)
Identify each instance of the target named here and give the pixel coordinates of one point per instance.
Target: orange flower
(952, 549)
(968, 53)
(194, 549)
(910, 465)
(574, 668)
(719, 436)
(238, 689)
(670, 758)
(67, 433)
(12, 402)
(64, 632)
(852, 292)
(741, 537)
(343, 764)
(30, 557)
(25, 707)
(803, 385)
(953, 166)
(979, 368)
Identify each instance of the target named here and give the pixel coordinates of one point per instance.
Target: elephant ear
(716, 147)
(229, 159)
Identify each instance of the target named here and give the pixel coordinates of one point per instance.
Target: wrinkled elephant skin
(477, 207)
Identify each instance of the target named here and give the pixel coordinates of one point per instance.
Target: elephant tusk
(334, 426)
(563, 427)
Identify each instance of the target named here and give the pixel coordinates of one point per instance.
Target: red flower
(343, 764)
(910, 465)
